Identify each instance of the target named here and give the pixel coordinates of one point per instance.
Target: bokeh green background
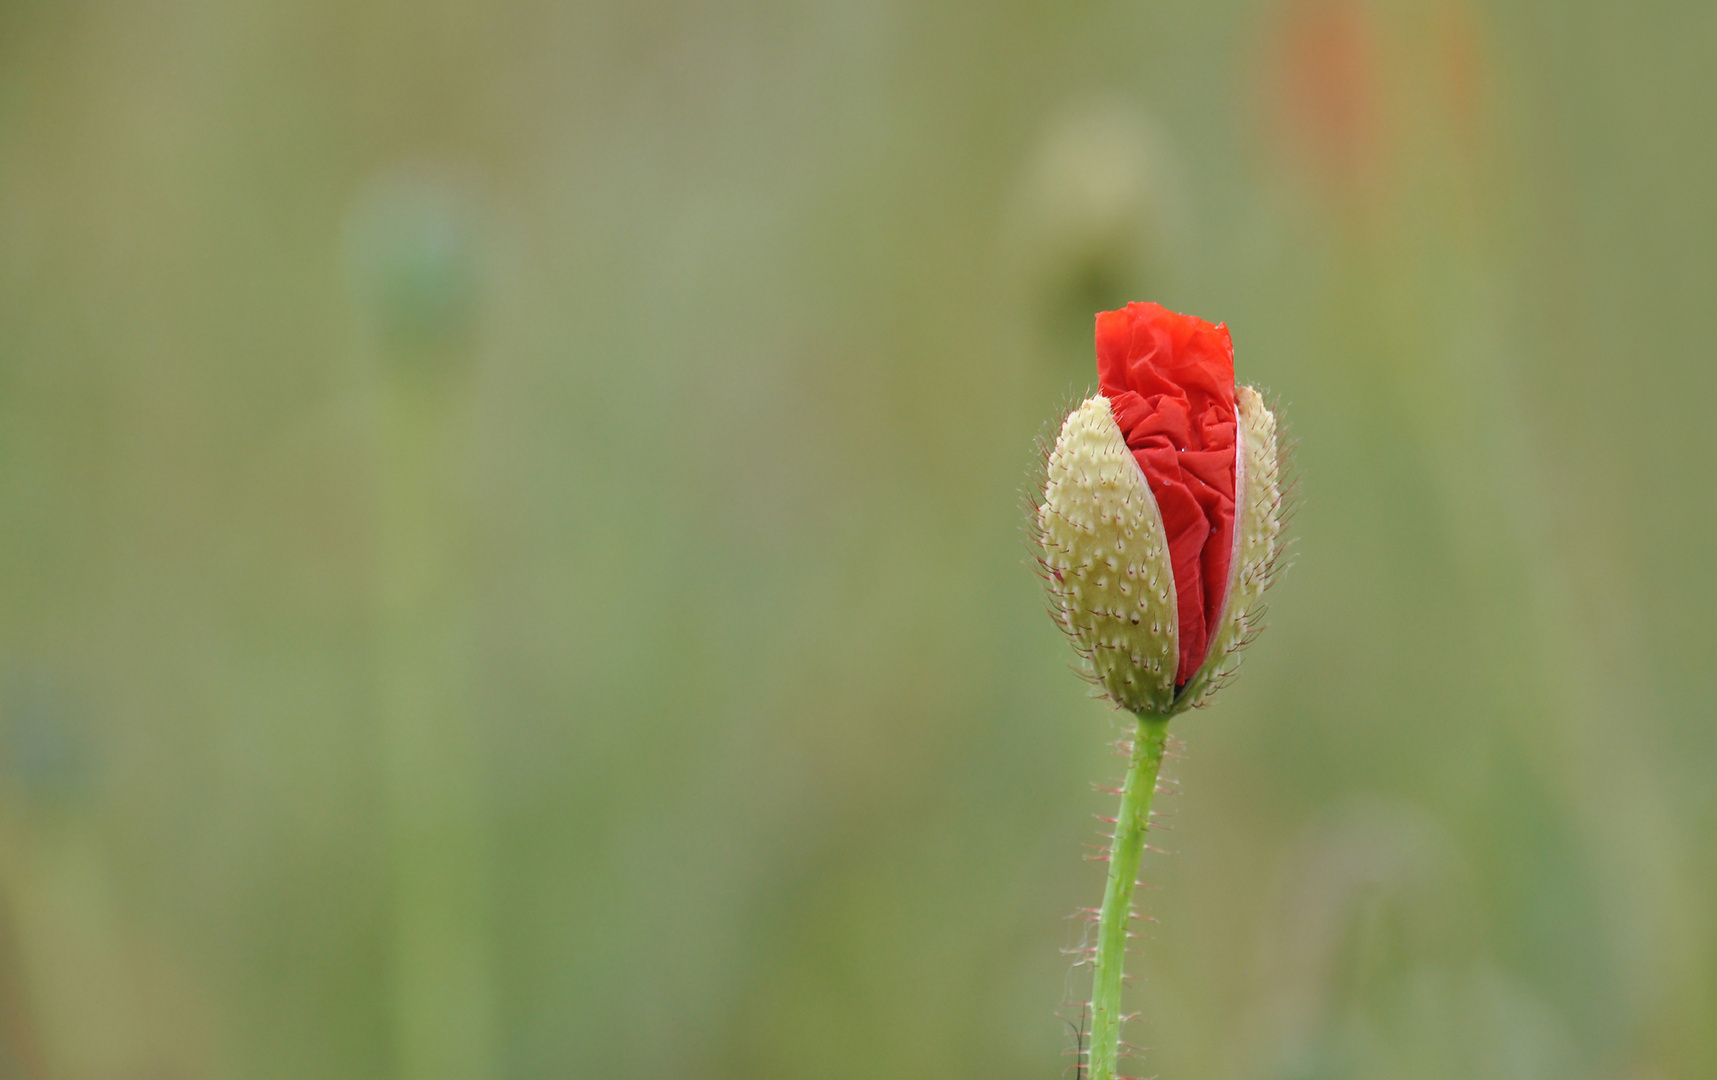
(511, 559)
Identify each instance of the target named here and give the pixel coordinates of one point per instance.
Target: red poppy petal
(1170, 382)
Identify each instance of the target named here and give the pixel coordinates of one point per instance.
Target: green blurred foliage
(511, 560)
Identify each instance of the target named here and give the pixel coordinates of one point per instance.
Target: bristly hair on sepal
(1031, 508)
(1105, 561)
(1286, 506)
(1258, 547)
(1098, 547)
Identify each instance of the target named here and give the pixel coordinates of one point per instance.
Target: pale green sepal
(1258, 494)
(1106, 561)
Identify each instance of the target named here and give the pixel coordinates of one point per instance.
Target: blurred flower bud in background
(1097, 217)
(413, 264)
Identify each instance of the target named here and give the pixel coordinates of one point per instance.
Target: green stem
(432, 793)
(1117, 911)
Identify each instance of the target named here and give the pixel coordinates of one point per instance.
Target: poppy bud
(1161, 512)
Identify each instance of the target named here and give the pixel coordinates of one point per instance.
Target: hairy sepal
(1107, 562)
(1258, 497)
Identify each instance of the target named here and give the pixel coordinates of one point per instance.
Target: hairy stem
(1117, 911)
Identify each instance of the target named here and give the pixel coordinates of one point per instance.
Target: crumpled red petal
(1170, 382)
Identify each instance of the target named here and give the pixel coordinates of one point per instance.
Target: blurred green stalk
(1125, 850)
(443, 997)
